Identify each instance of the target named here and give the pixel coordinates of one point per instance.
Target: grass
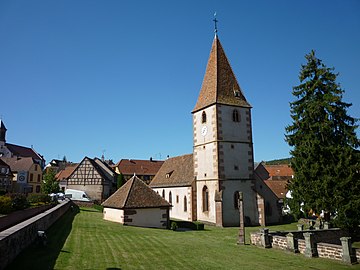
(84, 240)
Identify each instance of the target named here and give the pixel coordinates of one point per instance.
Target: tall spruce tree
(324, 142)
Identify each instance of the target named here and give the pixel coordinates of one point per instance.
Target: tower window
(235, 116)
(203, 118)
(205, 197)
(236, 167)
(236, 199)
(185, 204)
(163, 193)
(170, 197)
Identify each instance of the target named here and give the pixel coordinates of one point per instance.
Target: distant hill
(278, 161)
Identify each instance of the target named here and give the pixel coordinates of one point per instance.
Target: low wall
(310, 247)
(21, 215)
(20, 236)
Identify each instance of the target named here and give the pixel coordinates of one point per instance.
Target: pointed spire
(215, 21)
(2, 131)
(219, 84)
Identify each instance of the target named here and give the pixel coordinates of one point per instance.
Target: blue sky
(82, 78)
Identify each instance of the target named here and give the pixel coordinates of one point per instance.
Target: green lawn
(85, 241)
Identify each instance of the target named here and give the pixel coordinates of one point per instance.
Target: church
(204, 185)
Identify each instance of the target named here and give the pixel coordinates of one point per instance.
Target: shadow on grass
(38, 256)
(89, 210)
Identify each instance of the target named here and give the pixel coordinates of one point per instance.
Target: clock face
(204, 130)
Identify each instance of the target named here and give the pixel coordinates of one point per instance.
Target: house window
(236, 116)
(185, 204)
(203, 118)
(236, 167)
(37, 189)
(205, 197)
(170, 197)
(236, 199)
(35, 167)
(38, 178)
(31, 177)
(163, 193)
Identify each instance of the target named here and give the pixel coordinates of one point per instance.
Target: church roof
(2, 125)
(175, 172)
(22, 151)
(219, 84)
(135, 194)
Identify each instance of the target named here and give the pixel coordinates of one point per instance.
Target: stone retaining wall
(310, 247)
(15, 239)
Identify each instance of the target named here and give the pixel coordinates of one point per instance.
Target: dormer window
(168, 174)
(235, 116)
(203, 118)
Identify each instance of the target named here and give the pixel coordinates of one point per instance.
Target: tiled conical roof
(219, 84)
(135, 194)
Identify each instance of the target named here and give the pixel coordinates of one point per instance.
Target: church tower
(2, 138)
(223, 146)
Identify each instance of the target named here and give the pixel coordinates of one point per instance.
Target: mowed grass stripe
(86, 241)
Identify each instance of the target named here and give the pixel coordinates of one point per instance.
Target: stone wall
(279, 242)
(329, 251)
(17, 238)
(310, 247)
(21, 215)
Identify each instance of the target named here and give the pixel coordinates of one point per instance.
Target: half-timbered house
(94, 177)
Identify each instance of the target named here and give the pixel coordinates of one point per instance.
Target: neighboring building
(6, 177)
(58, 165)
(94, 177)
(279, 177)
(205, 186)
(137, 204)
(27, 174)
(63, 175)
(12, 150)
(144, 169)
(175, 182)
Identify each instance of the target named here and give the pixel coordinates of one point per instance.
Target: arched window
(203, 118)
(205, 199)
(235, 116)
(185, 204)
(163, 193)
(170, 197)
(236, 199)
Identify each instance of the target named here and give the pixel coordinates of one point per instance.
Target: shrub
(39, 198)
(19, 201)
(197, 226)
(174, 226)
(5, 205)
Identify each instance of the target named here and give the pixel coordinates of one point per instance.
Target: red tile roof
(23, 151)
(279, 187)
(135, 194)
(219, 84)
(65, 173)
(176, 171)
(139, 167)
(279, 171)
(19, 164)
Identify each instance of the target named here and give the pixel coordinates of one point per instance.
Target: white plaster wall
(148, 217)
(234, 131)
(116, 215)
(206, 161)
(210, 124)
(230, 213)
(237, 156)
(177, 211)
(208, 216)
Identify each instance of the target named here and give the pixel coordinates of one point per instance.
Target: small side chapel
(222, 163)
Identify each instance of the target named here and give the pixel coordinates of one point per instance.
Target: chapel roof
(175, 172)
(135, 194)
(219, 84)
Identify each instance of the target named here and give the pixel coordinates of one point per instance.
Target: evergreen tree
(50, 184)
(324, 142)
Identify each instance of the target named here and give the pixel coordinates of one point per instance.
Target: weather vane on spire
(215, 21)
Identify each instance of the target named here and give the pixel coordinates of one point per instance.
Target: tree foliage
(324, 142)
(50, 184)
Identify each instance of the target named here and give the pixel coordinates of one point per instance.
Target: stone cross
(241, 240)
